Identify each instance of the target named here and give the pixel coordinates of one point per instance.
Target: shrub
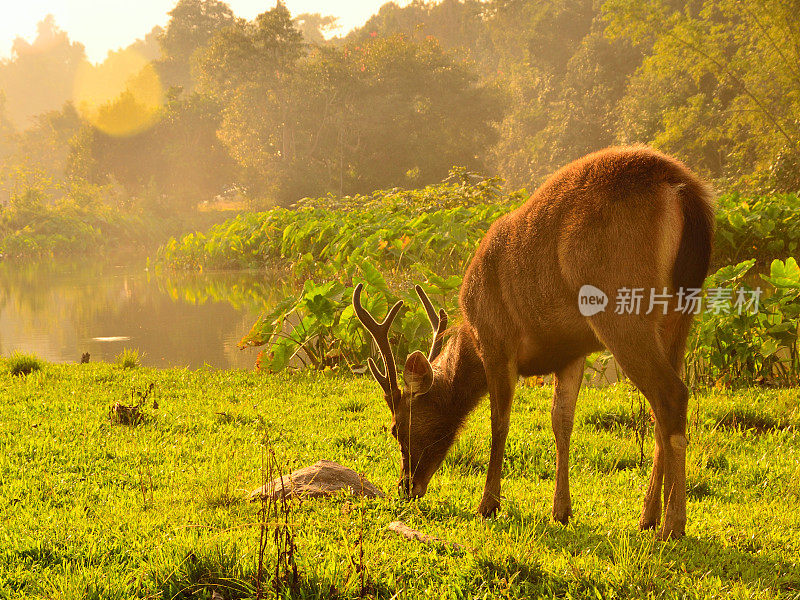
(128, 359)
(23, 364)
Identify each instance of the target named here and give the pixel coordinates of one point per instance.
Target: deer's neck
(462, 374)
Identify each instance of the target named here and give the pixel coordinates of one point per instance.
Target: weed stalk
(275, 516)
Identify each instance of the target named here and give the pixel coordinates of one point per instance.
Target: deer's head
(423, 432)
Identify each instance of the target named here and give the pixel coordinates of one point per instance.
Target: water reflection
(173, 319)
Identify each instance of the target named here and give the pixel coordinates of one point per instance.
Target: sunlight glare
(122, 96)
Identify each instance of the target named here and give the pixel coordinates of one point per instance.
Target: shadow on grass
(745, 418)
(223, 571)
(213, 581)
(466, 457)
(699, 486)
(352, 405)
(495, 576)
(40, 555)
(444, 511)
(644, 565)
(609, 420)
(223, 499)
(699, 556)
(608, 463)
(225, 418)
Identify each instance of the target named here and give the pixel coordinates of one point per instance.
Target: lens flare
(122, 96)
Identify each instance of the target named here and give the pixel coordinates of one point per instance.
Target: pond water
(173, 320)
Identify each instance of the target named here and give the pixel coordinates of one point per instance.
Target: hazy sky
(103, 25)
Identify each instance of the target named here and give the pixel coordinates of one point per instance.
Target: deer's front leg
(567, 385)
(502, 380)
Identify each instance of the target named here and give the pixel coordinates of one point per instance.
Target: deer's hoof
(562, 515)
(488, 507)
(647, 523)
(671, 533)
(651, 512)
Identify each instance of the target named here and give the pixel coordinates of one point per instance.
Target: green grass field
(92, 509)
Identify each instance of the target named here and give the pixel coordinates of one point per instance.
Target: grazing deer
(621, 218)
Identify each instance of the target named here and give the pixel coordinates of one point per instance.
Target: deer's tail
(694, 251)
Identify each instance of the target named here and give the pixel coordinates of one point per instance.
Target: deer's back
(612, 219)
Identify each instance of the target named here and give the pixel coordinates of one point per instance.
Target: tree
(39, 76)
(46, 144)
(191, 26)
(175, 164)
(197, 165)
(457, 24)
(534, 43)
(314, 26)
(721, 86)
(583, 118)
(7, 142)
(543, 35)
(149, 46)
(408, 113)
(249, 69)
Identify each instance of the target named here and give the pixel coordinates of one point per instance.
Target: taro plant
(319, 236)
(319, 328)
(749, 346)
(325, 238)
(762, 227)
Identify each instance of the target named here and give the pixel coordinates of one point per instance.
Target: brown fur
(621, 217)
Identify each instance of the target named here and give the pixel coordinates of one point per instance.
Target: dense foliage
(761, 227)
(177, 163)
(393, 229)
(382, 112)
(34, 226)
(731, 345)
(33, 229)
(227, 102)
(718, 86)
(439, 224)
(748, 344)
(427, 236)
(714, 82)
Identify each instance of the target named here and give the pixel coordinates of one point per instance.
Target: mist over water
(184, 320)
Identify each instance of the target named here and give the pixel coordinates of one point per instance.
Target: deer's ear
(418, 374)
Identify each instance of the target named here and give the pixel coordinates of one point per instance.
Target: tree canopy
(383, 112)
(506, 87)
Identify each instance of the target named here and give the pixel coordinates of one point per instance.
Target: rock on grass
(323, 478)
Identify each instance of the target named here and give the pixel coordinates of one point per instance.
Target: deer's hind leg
(565, 396)
(638, 346)
(674, 332)
(651, 509)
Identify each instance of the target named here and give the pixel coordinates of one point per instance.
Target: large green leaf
(373, 278)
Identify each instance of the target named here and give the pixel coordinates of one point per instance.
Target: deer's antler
(379, 333)
(438, 323)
